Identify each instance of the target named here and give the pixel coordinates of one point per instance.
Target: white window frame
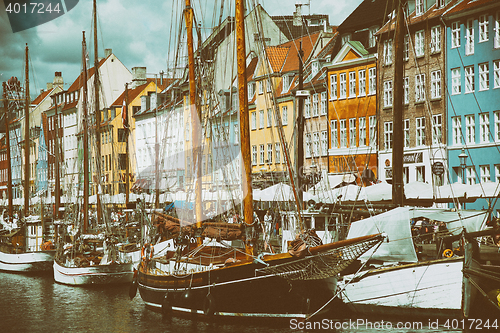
(352, 132)
(496, 74)
(388, 130)
(456, 123)
(372, 128)
(323, 104)
(254, 155)
(352, 84)
(315, 108)
(308, 145)
(387, 55)
(483, 22)
(315, 144)
(497, 173)
(284, 115)
(419, 88)
(254, 120)
(342, 85)
(324, 143)
(372, 81)
(436, 84)
(406, 90)
(484, 76)
(372, 39)
(406, 133)
(496, 28)
(469, 37)
(261, 87)
(362, 82)
(420, 43)
(469, 79)
(406, 48)
(455, 34)
(333, 87)
(470, 129)
(307, 107)
(277, 154)
(496, 124)
(269, 117)
(261, 119)
(484, 127)
(262, 155)
(388, 93)
(470, 175)
(437, 129)
(362, 131)
(269, 153)
(334, 138)
(343, 133)
(456, 81)
(419, 7)
(420, 131)
(268, 85)
(485, 176)
(435, 45)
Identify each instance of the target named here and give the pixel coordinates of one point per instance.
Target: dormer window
(287, 80)
(314, 68)
(419, 7)
(251, 90)
(439, 3)
(372, 39)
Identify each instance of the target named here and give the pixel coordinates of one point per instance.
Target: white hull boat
(27, 262)
(112, 273)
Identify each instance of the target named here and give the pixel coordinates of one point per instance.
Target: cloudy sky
(138, 32)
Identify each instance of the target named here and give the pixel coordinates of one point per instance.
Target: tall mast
(56, 164)
(97, 113)
(27, 139)
(246, 169)
(85, 140)
(300, 131)
(397, 148)
(126, 129)
(195, 116)
(7, 142)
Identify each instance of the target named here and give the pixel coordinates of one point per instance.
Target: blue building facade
(473, 86)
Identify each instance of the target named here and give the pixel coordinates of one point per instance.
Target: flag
(124, 114)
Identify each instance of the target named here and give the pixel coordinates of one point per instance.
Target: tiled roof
(41, 97)
(78, 83)
(277, 56)
(467, 5)
(292, 60)
(132, 93)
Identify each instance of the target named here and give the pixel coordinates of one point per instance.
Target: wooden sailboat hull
(27, 262)
(427, 289)
(98, 274)
(239, 291)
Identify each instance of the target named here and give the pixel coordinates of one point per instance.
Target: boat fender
(133, 286)
(448, 253)
(144, 252)
(209, 305)
(166, 306)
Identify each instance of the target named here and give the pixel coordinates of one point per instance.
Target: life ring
(448, 253)
(166, 306)
(146, 248)
(209, 306)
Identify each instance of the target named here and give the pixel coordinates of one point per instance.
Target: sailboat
(82, 257)
(22, 249)
(208, 274)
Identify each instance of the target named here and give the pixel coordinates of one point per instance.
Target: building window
(254, 155)
(352, 132)
(406, 133)
(419, 7)
(372, 39)
(497, 173)
(440, 3)
(372, 81)
(343, 133)
(437, 129)
(387, 93)
(483, 28)
(456, 86)
(470, 175)
(406, 90)
(307, 107)
(419, 87)
(261, 87)
(484, 127)
(362, 82)
(261, 119)
(362, 131)
(406, 48)
(388, 52)
(485, 173)
(469, 38)
(324, 143)
(496, 116)
(496, 74)
(251, 90)
(455, 34)
(470, 129)
(457, 130)
(316, 144)
(333, 86)
(254, 120)
(388, 135)
(420, 131)
(308, 145)
(269, 117)
(262, 156)
(372, 123)
(286, 83)
(323, 105)
(496, 42)
(315, 105)
(469, 79)
(484, 76)
(352, 84)
(343, 83)
(419, 43)
(284, 115)
(269, 153)
(268, 85)
(436, 84)
(420, 173)
(277, 154)
(333, 134)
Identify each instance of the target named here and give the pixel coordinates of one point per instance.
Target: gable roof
(277, 56)
(368, 13)
(467, 6)
(42, 96)
(133, 93)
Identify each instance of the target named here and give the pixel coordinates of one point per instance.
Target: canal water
(35, 303)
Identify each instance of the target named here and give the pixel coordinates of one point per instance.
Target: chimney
(161, 78)
(58, 80)
(107, 52)
(297, 15)
(138, 76)
(153, 100)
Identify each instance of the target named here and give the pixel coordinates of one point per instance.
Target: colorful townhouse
(473, 81)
